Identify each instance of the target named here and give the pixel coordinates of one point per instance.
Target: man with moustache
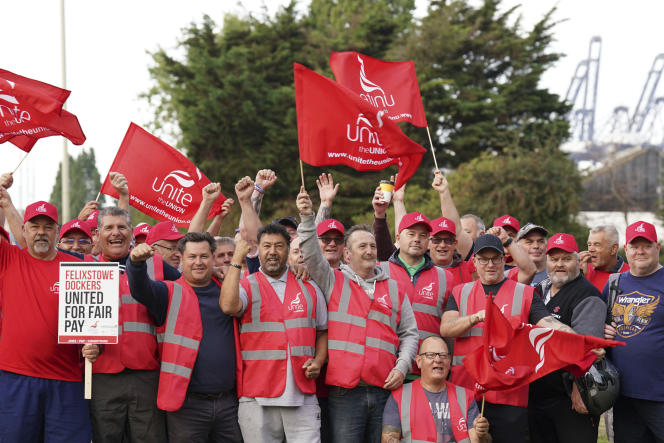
(283, 343)
(372, 330)
(602, 259)
(197, 351)
(637, 314)
(553, 414)
(431, 408)
(41, 380)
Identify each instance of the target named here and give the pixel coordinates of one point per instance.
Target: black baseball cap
(488, 241)
(286, 221)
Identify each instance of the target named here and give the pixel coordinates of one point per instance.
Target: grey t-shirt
(292, 395)
(440, 408)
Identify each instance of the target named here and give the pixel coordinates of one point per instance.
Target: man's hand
(610, 331)
(584, 259)
(439, 183)
(5, 199)
(6, 180)
(244, 188)
(499, 232)
(90, 352)
(219, 272)
(600, 353)
(394, 379)
(242, 248)
(478, 317)
(141, 253)
(399, 194)
(301, 272)
(211, 192)
(577, 402)
(119, 183)
(226, 207)
(303, 202)
(380, 207)
(481, 426)
(327, 190)
(265, 178)
(311, 368)
(88, 209)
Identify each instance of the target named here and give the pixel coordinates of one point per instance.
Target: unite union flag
(388, 86)
(336, 127)
(513, 355)
(163, 183)
(30, 110)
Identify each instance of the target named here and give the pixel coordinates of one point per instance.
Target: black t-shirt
(537, 309)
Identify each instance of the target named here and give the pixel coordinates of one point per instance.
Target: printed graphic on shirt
(441, 410)
(633, 312)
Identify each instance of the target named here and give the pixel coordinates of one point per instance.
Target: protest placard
(88, 308)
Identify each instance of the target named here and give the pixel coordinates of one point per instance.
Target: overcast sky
(107, 61)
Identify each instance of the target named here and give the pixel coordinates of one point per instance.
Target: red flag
(30, 110)
(163, 183)
(515, 355)
(389, 86)
(336, 127)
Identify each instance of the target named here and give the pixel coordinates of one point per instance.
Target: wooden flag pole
(302, 173)
(98, 194)
(19, 163)
(432, 151)
(482, 411)
(88, 380)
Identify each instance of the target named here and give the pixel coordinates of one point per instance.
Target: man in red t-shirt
(40, 379)
(602, 259)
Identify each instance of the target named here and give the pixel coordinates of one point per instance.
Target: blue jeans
(356, 415)
(42, 410)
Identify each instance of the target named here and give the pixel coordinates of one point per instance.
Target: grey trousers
(267, 424)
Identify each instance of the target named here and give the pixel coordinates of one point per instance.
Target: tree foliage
(228, 98)
(84, 183)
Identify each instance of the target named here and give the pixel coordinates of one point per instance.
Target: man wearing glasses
(431, 408)
(442, 244)
(331, 240)
(164, 237)
(76, 236)
(506, 410)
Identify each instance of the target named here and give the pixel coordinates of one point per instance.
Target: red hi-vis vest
(417, 422)
(463, 272)
(362, 340)
(268, 328)
(179, 338)
(514, 300)
(137, 339)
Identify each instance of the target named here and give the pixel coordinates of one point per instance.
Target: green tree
(542, 186)
(84, 183)
(479, 75)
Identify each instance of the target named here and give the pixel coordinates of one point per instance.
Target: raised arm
(265, 178)
(229, 296)
(226, 208)
(210, 192)
(449, 210)
(251, 223)
(527, 268)
(327, 190)
(13, 217)
(119, 182)
(384, 243)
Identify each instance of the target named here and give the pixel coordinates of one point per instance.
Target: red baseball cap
(41, 208)
(507, 220)
(142, 229)
(641, 229)
(74, 225)
(330, 225)
(563, 241)
(165, 230)
(443, 224)
(413, 219)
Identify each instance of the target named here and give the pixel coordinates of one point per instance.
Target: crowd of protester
(306, 330)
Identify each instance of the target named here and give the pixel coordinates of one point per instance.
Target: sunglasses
(328, 240)
(439, 240)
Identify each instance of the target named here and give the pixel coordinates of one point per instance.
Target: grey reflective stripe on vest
(339, 345)
(461, 401)
(175, 369)
(264, 355)
(463, 301)
(127, 299)
(150, 265)
(342, 314)
(132, 326)
(302, 351)
(385, 266)
(406, 398)
(308, 296)
(169, 336)
(256, 301)
(394, 296)
(427, 334)
(426, 309)
(442, 289)
(458, 359)
(381, 344)
(517, 301)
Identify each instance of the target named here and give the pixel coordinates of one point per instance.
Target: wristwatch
(508, 242)
(235, 265)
